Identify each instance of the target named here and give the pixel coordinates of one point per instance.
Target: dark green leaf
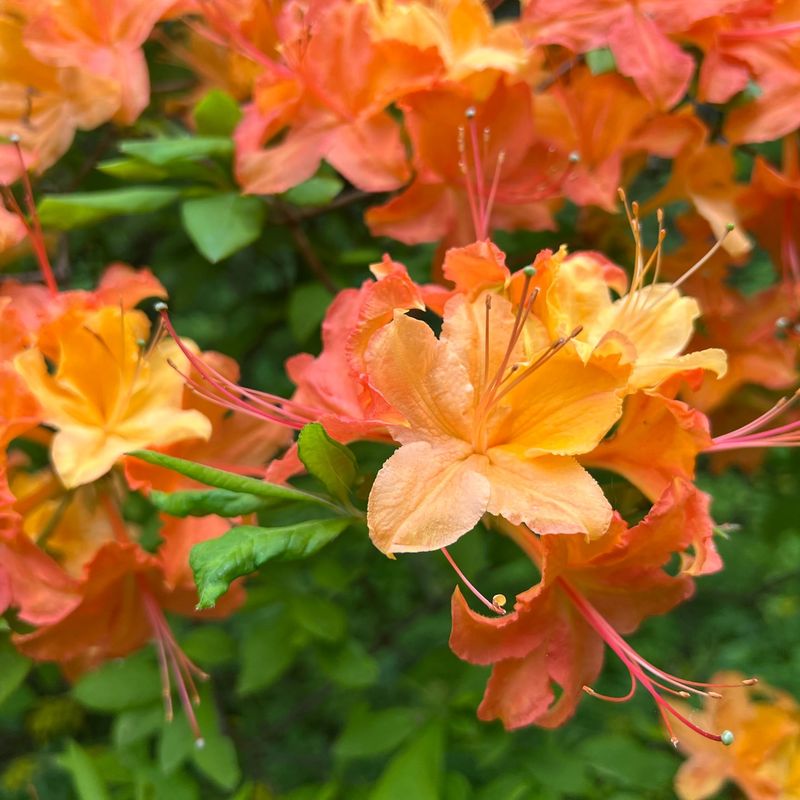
(307, 306)
(65, 211)
(137, 724)
(217, 114)
(13, 669)
(201, 502)
(321, 617)
(119, 685)
(267, 652)
(222, 224)
(245, 548)
(160, 152)
(416, 771)
(374, 733)
(327, 460)
(228, 480)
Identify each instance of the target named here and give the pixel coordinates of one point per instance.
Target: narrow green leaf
(222, 224)
(131, 169)
(217, 114)
(316, 191)
(85, 778)
(327, 460)
(13, 669)
(202, 502)
(160, 152)
(245, 548)
(65, 211)
(228, 480)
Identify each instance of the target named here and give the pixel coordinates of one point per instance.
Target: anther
(726, 737)
(14, 138)
(529, 271)
(488, 301)
(470, 112)
(574, 157)
(675, 742)
(749, 681)
(200, 743)
(499, 600)
(730, 227)
(715, 695)
(160, 306)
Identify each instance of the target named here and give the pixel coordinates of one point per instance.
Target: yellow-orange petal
(649, 375)
(426, 496)
(564, 406)
(549, 494)
(701, 776)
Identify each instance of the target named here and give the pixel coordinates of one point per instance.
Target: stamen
(717, 245)
(497, 607)
(754, 434)
(33, 226)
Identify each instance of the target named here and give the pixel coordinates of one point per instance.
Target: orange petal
(549, 494)
(427, 496)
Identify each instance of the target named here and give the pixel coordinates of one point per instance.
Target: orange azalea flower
(630, 29)
(108, 394)
(42, 103)
(329, 98)
(104, 40)
(764, 760)
(494, 414)
(479, 166)
(589, 594)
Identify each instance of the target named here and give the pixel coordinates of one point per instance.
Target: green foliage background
(335, 681)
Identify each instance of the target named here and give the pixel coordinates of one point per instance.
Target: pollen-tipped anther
(470, 112)
(14, 138)
(160, 307)
(727, 737)
(499, 600)
(529, 271)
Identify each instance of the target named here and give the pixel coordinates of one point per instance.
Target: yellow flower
(107, 394)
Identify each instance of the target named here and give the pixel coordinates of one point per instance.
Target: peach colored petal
(549, 494)
(421, 378)
(426, 496)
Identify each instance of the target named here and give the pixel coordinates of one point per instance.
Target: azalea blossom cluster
(86, 378)
(507, 392)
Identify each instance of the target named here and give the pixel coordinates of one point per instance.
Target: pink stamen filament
(275, 409)
(636, 665)
(753, 434)
(773, 32)
(33, 227)
(488, 603)
(173, 665)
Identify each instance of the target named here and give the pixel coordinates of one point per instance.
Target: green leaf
(222, 224)
(13, 669)
(228, 480)
(131, 169)
(374, 733)
(65, 211)
(136, 724)
(316, 191)
(217, 758)
(85, 778)
(176, 743)
(327, 460)
(600, 61)
(307, 306)
(120, 685)
(267, 652)
(416, 771)
(209, 646)
(217, 114)
(245, 548)
(351, 666)
(321, 617)
(201, 502)
(160, 152)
